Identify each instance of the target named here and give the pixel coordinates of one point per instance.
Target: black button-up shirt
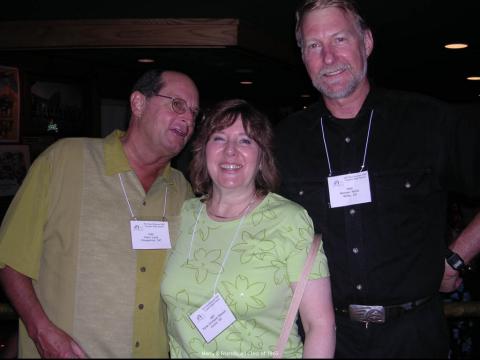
(391, 250)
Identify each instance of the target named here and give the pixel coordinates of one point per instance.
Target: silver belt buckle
(367, 313)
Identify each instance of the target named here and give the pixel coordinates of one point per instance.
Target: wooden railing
(462, 309)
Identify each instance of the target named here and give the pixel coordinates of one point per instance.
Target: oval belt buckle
(367, 313)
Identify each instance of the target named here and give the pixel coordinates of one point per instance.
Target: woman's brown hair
(257, 126)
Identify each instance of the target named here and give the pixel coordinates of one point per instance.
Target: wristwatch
(455, 261)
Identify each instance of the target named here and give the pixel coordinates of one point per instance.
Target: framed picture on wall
(14, 164)
(57, 108)
(9, 104)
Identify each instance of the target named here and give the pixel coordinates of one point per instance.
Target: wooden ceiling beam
(140, 33)
(117, 33)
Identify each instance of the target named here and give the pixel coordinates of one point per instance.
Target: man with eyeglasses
(83, 244)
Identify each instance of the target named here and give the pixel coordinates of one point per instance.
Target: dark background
(409, 54)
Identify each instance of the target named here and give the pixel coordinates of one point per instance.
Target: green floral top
(266, 256)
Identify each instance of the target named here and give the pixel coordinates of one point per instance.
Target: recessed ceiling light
(473, 78)
(456, 46)
(246, 82)
(146, 61)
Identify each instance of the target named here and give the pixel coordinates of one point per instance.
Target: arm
(318, 319)
(467, 245)
(51, 342)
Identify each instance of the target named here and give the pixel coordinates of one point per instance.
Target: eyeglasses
(180, 106)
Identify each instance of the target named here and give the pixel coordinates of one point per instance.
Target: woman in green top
(230, 277)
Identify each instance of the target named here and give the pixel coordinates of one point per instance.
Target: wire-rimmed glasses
(180, 106)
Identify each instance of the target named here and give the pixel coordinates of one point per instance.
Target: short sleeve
(21, 233)
(301, 241)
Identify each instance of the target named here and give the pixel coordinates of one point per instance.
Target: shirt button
(408, 185)
(359, 287)
(352, 211)
(144, 203)
(143, 269)
(137, 344)
(355, 250)
(347, 139)
(300, 192)
(140, 306)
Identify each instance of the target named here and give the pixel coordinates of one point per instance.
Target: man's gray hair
(349, 6)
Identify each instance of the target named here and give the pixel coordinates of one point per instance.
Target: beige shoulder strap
(297, 297)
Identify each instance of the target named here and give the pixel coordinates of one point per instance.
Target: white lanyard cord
(126, 197)
(165, 203)
(326, 149)
(130, 207)
(229, 247)
(227, 254)
(194, 232)
(366, 144)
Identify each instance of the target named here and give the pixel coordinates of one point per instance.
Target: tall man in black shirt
(373, 168)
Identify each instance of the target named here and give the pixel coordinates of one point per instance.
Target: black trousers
(420, 333)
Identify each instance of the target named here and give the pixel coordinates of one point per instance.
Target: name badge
(213, 318)
(149, 235)
(349, 189)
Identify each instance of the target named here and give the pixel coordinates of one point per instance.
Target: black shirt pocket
(403, 201)
(404, 188)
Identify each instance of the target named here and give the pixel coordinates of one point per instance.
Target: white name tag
(212, 318)
(349, 189)
(149, 235)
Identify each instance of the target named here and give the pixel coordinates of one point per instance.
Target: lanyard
(366, 144)
(130, 207)
(231, 242)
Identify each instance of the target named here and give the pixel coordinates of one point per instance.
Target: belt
(379, 314)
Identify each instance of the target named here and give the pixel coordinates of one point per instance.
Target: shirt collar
(116, 161)
(371, 101)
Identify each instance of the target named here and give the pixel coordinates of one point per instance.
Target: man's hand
(451, 279)
(52, 342)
